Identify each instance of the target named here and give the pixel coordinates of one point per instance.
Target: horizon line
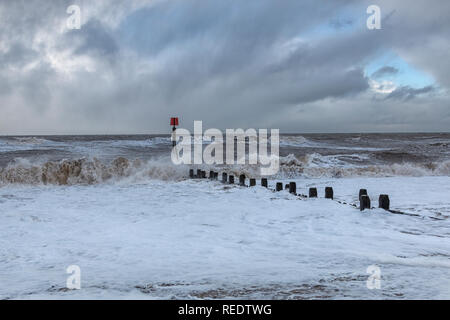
(168, 134)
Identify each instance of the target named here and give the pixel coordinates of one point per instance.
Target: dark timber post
(279, 186)
(292, 188)
(242, 180)
(329, 193)
(313, 192)
(264, 182)
(383, 202)
(364, 202)
(362, 192)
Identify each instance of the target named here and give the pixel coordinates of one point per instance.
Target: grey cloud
(16, 54)
(229, 63)
(385, 71)
(408, 93)
(94, 38)
(341, 23)
(419, 33)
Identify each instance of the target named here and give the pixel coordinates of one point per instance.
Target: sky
(294, 65)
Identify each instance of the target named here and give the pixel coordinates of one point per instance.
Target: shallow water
(203, 239)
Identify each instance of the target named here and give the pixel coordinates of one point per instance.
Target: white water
(197, 239)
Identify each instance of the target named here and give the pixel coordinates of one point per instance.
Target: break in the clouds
(301, 66)
(385, 71)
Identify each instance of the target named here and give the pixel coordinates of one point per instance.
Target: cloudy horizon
(300, 66)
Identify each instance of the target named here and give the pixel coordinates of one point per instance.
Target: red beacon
(174, 123)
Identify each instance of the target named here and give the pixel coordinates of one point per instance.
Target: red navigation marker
(174, 123)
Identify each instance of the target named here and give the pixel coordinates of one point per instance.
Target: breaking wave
(29, 140)
(317, 166)
(89, 171)
(94, 171)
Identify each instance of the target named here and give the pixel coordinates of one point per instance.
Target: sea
(137, 227)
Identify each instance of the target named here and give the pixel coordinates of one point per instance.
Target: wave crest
(93, 171)
(316, 166)
(89, 171)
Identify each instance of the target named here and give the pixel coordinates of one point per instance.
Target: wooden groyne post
(279, 186)
(264, 182)
(329, 194)
(242, 180)
(383, 202)
(362, 192)
(364, 202)
(313, 192)
(292, 187)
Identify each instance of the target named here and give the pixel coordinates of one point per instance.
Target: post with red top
(174, 124)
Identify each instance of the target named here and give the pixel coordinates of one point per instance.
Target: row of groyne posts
(364, 200)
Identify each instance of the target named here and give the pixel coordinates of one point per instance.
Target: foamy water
(68, 160)
(138, 228)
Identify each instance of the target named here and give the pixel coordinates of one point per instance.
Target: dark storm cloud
(385, 71)
(296, 65)
(408, 93)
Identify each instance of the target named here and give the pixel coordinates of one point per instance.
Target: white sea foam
(302, 142)
(95, 171)
(316, 165)
(138, 228)
(202, 239)
(24, 143)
